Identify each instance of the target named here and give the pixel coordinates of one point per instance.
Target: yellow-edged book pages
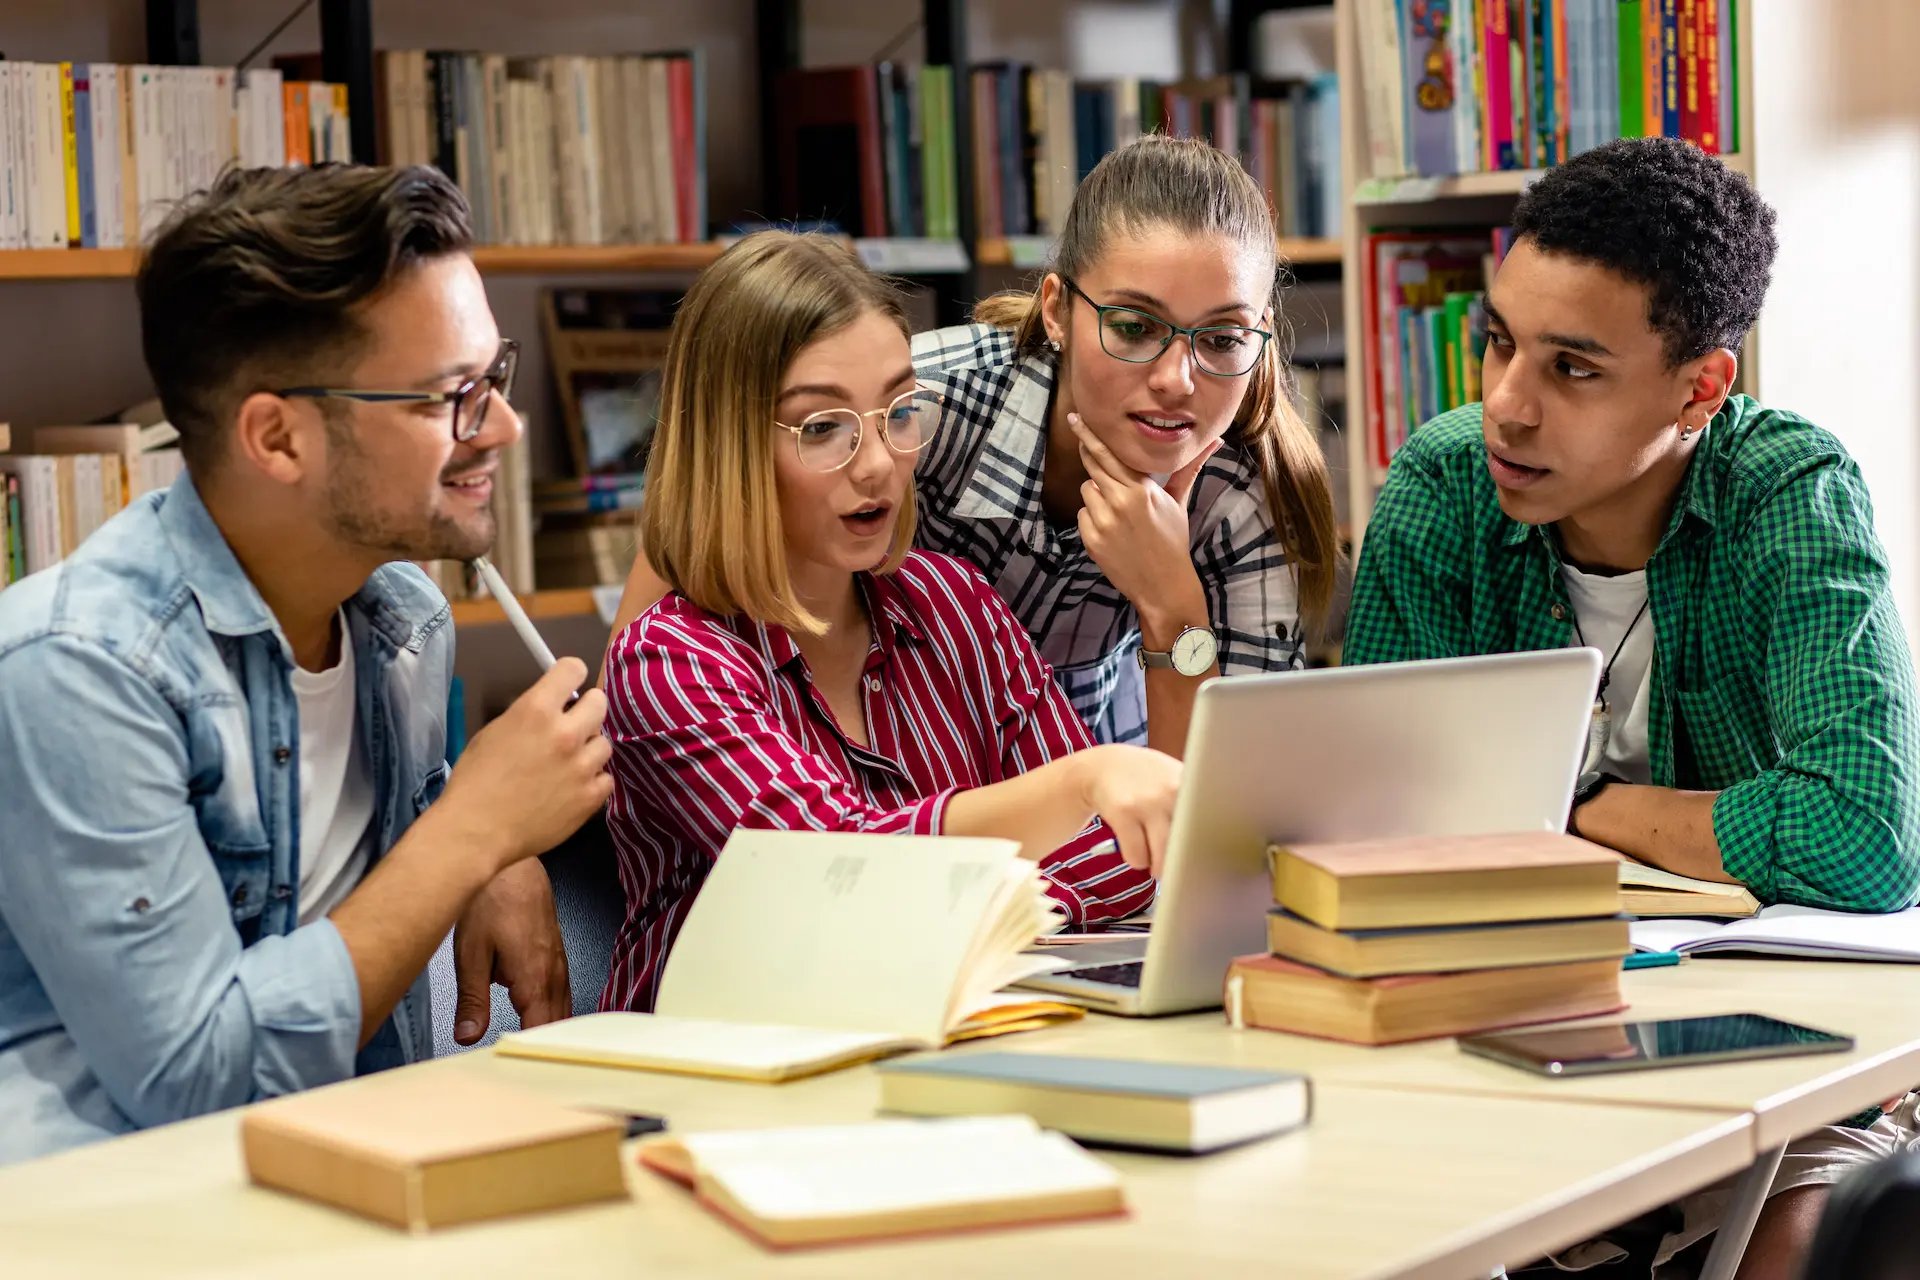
(1651, 891)
(698, 1046)
(1436, 880)
(911, 937)
(832, 1184)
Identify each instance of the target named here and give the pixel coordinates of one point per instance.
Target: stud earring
(1686, 432)
(1053, 346)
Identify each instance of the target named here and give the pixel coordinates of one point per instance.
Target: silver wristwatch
(1193, 653)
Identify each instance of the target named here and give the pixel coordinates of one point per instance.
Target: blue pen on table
(1651, 959)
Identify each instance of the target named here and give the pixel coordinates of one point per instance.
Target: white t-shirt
(336, 786)
(1605, 608)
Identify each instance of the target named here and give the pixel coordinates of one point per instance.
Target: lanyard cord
(1606, 672)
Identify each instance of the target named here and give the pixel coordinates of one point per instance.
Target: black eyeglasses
(469, 400)
(1139, 337)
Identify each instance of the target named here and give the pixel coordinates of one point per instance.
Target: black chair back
(1870, 1228)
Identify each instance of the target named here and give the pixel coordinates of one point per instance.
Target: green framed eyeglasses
(1140, 337)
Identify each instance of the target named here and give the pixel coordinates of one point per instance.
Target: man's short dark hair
(1662, 213)
(255, 283)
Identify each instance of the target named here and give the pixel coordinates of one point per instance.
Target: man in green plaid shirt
(1756, 721)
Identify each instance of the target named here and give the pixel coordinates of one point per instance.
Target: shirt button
(141, 906)
(240, 895)
(873, 683)
(281, 755)
(1559, 612)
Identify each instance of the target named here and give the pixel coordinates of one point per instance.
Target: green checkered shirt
(1780, 678)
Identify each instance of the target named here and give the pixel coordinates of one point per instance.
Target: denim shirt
(150, 964)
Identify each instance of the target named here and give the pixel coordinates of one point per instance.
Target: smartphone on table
(1640, 1046)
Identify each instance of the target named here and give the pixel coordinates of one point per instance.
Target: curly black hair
(1662, 213)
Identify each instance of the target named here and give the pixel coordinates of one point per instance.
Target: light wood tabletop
(1877, 1004)
(1420, 1162)
(1381, 1184)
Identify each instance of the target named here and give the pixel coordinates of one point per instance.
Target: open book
(1650, 891)
(1806, 932)
(808, 950)
(811, 1186)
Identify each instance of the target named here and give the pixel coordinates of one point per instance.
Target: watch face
(1193, 651)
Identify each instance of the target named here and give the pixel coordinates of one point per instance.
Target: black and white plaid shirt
(979, 490)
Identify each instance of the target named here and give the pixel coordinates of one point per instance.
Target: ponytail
(1199, 190)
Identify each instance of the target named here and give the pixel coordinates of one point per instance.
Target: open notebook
(808, 950)
(836, 1183)
(1791, 931)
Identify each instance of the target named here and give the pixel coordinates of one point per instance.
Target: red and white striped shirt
(715, 725)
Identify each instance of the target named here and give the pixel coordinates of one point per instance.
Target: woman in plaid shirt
(1120, 455)
(810, 669)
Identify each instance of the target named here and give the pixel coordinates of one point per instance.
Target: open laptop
(1455, 746)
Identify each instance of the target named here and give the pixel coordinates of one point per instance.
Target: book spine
(685, 160)
(1627, 32)
(80, 98)
(1670, 69)
(1711, 89)
(12, 230)
(1689, 33)
(1497, 57)
(69, 155)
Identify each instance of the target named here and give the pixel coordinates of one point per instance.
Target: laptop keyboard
(1117, 975)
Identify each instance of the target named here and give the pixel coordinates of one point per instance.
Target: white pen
(497, 587)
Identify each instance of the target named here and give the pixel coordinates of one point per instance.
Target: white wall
(1837, 154)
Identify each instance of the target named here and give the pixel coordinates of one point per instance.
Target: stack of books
(1382, 941)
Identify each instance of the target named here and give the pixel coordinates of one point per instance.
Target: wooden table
(1420, 1162)
(1381, 1184)
(1877, 1004)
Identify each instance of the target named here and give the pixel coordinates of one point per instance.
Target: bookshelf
(1469, 200)
(1029, 252)
(119, 264)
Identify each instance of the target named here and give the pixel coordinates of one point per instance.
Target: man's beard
(429, 535)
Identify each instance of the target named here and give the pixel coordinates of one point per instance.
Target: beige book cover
(1367, 884)
(429, 1149)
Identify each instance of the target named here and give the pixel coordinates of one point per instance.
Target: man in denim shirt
(230, 841)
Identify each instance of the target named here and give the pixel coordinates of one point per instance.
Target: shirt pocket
(432, 783)
(1725, 733)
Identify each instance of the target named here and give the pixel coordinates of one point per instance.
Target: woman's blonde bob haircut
(1197, 190)
(711, 521)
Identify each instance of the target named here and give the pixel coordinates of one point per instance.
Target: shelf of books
(592, 259)
(567, 162)
(1447, 123)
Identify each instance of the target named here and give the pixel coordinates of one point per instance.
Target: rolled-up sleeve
(1835, 823)
(118, 905)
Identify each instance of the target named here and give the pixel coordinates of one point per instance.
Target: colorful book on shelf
(1160, 1106)
(836, 1184)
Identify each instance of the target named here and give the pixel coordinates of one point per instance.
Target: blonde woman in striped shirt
(808, 669)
